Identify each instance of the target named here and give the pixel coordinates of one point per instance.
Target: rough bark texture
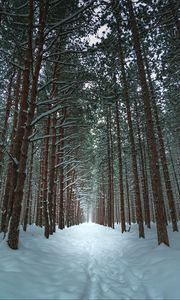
(13, 236)
(143, 174)
(21, 120)
(156, 180)
(163, 158)
(27, 210)
(139, 216)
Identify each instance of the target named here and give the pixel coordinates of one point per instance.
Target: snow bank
(90, 262)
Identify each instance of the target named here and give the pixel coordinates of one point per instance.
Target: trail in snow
(90, 262)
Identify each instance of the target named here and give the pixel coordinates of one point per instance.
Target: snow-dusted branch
(74, 135)
(69, 18)
(45, 85)
(47, 113)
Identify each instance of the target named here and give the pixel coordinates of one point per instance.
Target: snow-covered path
(90, 262)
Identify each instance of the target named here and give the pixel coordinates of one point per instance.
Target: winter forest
(89, 149)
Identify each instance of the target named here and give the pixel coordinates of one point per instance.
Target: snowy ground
(90, 262)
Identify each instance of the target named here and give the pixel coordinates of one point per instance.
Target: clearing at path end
(90, 262)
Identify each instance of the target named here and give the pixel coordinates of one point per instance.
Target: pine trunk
(52, 174)
(45, 178)
(127, 195)
(121, 188)
(109, 202)
(133, 148)
(163, 158)
(112, 172)
(5, 125)
(61, 175)
(143, 176)
(13, 236)
(156, 180)
(29, 192)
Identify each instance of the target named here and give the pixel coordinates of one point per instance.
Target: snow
(90, 261)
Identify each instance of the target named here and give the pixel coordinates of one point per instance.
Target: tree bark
(61, 173)
(144, 181)
(121, 188)
(117, 13)
(156, 180)
(127, 195)
(163, 158)
(52, 174)
(13, 236)
(112, 171)
(29, 192)
(109, 202)
(45, 179)
(5, 125)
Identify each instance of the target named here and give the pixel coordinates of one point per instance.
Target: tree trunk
(5, 125)
(163, 158)
(112, 172)
(13, 236)
(121, 188)
(117, 14)
(127, 195)
(29, 190)
(174, 171)
(52, 174)
(144, 181)
(22, 117)
(156, 180)
(61, 174)
(39, 193)
(109, 202)
(45, 178)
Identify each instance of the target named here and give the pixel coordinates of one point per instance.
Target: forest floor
(90, 261)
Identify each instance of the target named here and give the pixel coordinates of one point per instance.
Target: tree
(156, 181)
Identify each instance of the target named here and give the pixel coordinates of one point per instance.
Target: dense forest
(89, 115)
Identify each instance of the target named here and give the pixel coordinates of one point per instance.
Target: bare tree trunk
(61, 174)
(29, 193)
(68, 203)
(174, 171)
(127, 195)
(71, 174)
(144, 181)
(121, 187)
(156, 180)
(5, 125)
(163, 158)
(45, 178)
(39, 193)
(117, 14)
(22, 117)
(109, 202)
(13, 236)
(52, 174)
(5, 206)
(112, 172)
